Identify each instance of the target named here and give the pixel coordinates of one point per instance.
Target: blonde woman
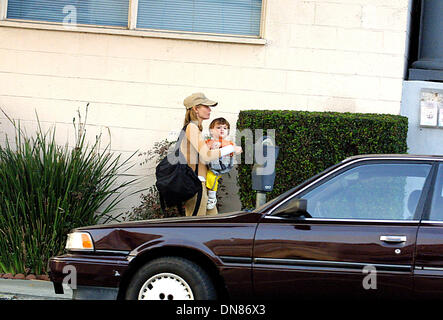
(193, 147)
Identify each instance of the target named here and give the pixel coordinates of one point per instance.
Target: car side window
(436, 212)
(382, 191)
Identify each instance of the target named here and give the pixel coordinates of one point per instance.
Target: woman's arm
(194, 136)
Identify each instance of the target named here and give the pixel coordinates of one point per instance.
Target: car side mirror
(296, 208)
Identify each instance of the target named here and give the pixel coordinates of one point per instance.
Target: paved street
(31, 290)
(26, 297)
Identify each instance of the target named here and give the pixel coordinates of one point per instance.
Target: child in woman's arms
(219, 129)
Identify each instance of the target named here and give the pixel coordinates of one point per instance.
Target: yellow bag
(212, 180)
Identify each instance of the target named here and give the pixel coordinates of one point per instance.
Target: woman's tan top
(193, 144)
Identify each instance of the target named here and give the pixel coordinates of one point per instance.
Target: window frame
(3, 9)
(426, 217)
(422, 206)
(132, 30)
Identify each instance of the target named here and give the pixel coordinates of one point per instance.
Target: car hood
(128, 236)
(230, 217)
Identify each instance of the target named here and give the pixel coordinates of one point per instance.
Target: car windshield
(290, 191)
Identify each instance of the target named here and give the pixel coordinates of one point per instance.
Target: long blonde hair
(191, 116)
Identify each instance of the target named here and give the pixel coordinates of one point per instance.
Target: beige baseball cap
(196, 99)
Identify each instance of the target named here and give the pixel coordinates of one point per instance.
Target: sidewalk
(31, 290)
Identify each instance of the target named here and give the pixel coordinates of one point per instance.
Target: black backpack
(177, 182)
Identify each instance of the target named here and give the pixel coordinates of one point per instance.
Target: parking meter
(263, 171)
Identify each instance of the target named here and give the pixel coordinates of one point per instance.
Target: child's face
(219, 131)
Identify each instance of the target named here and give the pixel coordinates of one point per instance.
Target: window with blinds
(226, 17)
(235, 17)
(88, 12)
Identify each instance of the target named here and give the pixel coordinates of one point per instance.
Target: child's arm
(194, 136)
(228, 143)
(212, 144)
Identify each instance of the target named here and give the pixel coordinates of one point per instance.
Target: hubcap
(165, 286)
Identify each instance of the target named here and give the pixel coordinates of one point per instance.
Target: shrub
(46, 190)
(312, 141)
(150, 207)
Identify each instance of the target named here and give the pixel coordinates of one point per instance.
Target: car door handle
(393, 239)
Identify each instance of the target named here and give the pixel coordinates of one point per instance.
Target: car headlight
(81, 241)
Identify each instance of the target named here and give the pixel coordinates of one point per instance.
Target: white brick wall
(340, 55)
(338, 15)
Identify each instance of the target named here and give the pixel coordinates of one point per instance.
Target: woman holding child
(199, 152)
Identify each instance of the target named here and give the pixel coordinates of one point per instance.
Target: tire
(171, 278)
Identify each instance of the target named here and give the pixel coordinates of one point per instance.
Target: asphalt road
(26, 297)
(31, 290)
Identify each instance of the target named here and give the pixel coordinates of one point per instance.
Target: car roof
(395, 156)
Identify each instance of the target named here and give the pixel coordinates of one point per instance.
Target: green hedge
(312, 141)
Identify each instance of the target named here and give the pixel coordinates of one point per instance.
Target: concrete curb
(35, 288)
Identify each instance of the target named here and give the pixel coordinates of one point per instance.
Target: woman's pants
(202, 211)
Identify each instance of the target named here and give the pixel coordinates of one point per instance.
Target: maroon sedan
(370, 226)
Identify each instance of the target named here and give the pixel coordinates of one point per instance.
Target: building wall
(421, 140)
(340, 55)
(409, 36)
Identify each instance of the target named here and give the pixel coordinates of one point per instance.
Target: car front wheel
(171, 278)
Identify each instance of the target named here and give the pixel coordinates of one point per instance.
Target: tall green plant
(47, 189)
